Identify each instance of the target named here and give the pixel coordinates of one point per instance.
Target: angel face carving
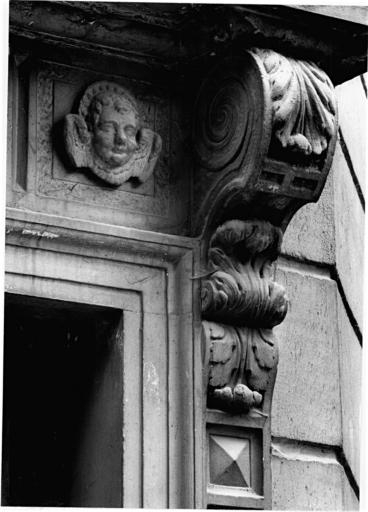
(115, 128)
(108, 137)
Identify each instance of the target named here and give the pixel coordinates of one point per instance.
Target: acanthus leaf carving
(241, 288)
(304, 106)
(242, 364)
(242, 294)
(108, 137)
(264, 134)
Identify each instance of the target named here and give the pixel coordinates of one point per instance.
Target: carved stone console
(264, 133)
(241, 294)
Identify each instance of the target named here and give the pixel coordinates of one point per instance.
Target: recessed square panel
(58, 90)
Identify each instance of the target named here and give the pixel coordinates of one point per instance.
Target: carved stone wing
(149, 148)
(77, 140)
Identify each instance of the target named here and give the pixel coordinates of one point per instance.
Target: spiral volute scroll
(224, 116)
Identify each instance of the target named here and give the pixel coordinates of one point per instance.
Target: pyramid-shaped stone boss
(229, 461)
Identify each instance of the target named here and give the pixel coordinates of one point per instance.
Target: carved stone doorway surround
(146, 277)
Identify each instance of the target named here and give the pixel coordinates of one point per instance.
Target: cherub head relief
(107, 136)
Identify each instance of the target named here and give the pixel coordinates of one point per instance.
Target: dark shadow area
(51, 352)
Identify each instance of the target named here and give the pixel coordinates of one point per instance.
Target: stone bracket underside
(264, 134)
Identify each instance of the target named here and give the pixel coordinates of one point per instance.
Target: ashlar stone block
(307, 482)
(311, 233)
(306, 403)
(351, 385)
(352, 103)
(349, 225)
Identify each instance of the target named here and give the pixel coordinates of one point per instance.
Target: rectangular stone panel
(306, 402)
(59, 89)
(52, 185)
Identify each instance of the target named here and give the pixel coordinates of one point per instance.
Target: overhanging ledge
(334, 37)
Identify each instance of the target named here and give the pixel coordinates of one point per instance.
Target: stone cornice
(168, 29)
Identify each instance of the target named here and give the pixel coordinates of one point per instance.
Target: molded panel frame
(42, 91)
(149, 276)
(238, 496)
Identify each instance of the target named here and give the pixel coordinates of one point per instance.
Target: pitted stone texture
(306, 403)
(351, 387)
(307, 484)
(349, 221)
(311, 233)
(352, 103)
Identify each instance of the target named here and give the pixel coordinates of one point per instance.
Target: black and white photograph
(184, 300)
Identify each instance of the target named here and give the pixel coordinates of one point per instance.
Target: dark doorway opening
(62, 370)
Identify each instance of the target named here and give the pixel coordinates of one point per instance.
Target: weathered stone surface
(306, 403)
(311, 233)
(351, 502)
(298, 86)
(349, 228)
(120, 28)
(352, 120)
(351, 384)
(309, 479)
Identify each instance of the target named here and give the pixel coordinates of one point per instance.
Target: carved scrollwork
(304, 106)
(107, 136)
(266, 125)
(224, 115)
